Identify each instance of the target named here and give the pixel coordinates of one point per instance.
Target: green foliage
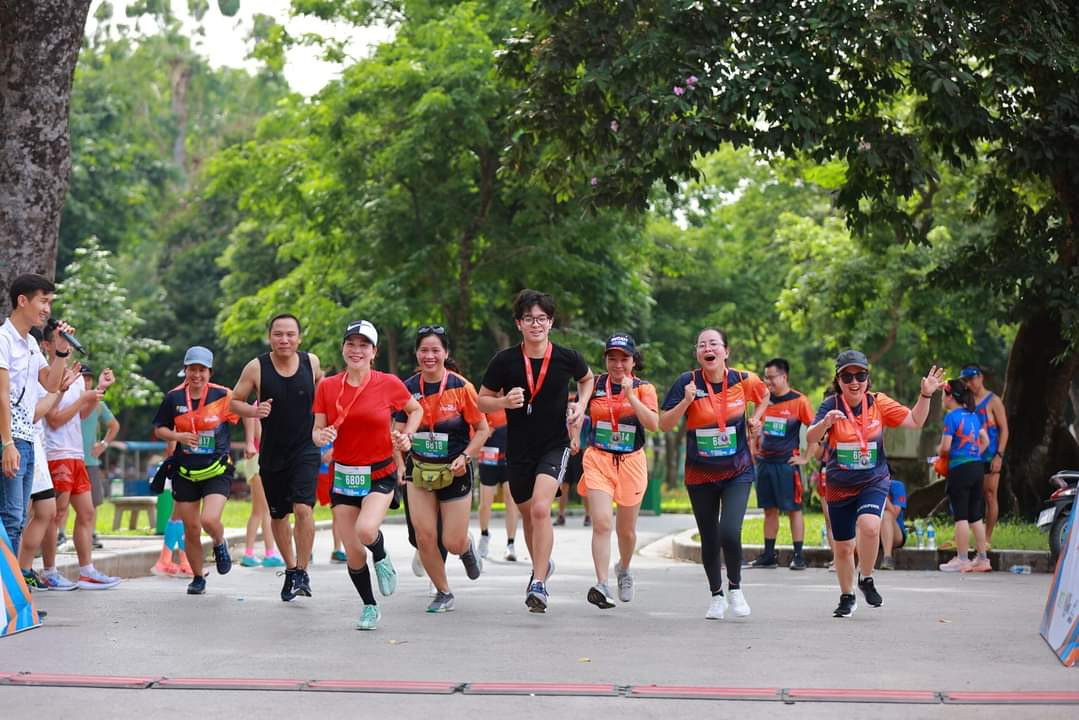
(97, 306)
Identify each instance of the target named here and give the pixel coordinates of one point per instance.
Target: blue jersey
(963, 426)
(897, 493)
(990, 425)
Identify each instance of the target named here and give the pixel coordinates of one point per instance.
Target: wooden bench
(134, 505)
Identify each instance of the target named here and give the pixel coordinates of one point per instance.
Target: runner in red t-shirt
(353, 410)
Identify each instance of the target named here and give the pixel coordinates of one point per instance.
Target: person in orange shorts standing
(621, 409)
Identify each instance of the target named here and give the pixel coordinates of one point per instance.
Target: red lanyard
(342, 412)
(860, 424)
(432, 417)
(190, 409)
(721, 420)
(621, 400)
(534, 386)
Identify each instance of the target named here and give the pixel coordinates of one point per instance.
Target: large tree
(893, 89)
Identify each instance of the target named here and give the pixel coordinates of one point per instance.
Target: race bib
(713, 442)
(775, 426)
(351, 480)
(621, 441)
(207, 443)
(489, 455)
(431, 444)
(851, 457)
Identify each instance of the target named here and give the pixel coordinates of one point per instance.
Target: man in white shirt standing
(21, 365)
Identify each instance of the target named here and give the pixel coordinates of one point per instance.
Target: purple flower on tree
(679, 90)
(691, 81)
(594, 181)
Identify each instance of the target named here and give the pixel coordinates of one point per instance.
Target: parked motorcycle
(1056, 514)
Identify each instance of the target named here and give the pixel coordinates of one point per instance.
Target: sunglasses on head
(431, 330)
(860, 376)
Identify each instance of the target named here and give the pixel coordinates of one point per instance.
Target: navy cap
(621, 341)
(970, 371)
(851, 357)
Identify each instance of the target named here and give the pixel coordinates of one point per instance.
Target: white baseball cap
(362, 328)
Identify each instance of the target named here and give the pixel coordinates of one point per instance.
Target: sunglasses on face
(860, 376)
(431, 330)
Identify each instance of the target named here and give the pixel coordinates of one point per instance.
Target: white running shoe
(738, 604)
(511, 554)
(625, 583)
(717, 609)
(94, 579)
(417, 565)
(485, 542)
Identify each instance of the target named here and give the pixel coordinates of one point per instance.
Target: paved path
(935, 632)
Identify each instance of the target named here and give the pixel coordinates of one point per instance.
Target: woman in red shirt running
(353, 410)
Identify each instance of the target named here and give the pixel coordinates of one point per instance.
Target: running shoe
(625, 583)
(387, 576)
(869, 590)
(798, 562)
(717, 608)
(587, 521)
(442, 602)
(979, 565)
(95, 542)
(537, 598)
(165, 569)
(887, 563)
(222, 558)
(61, 538)
(473, 564)
(561, 520)
(956, 564)
(33, 581)
(55, 581)
(338, 557)
(600, 596)
(847, 605)
(764, 561)
(737, 603)
(547, 580)
(288, 590)
(302, 582)
(197, 586)
(94, 579)
(184, 569)
(417, 565)
(369, 618)
(274, 560)
(249, 560)
(510, 555)
(485, 542)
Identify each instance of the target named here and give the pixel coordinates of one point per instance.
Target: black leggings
(719, 509)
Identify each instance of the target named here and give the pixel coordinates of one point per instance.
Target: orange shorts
(69, 476)
(623, 477)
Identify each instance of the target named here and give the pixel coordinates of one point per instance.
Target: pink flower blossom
(679, 90)
(691, 81)
(595, 181)
(614, 126)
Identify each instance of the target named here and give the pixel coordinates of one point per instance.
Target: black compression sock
(770, 547)
(378, 548)
(798, 548)
(484, 533)
(362, 580)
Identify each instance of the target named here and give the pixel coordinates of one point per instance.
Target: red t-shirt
(364, 437)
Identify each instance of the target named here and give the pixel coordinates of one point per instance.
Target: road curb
(684, 547)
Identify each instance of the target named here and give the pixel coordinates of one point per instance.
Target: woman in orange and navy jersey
(493, 474)
(858, 477)
(719, 464)
(439, 468)
(621, 409)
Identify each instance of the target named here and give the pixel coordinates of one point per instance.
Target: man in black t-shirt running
(529, 382)
(284, 381)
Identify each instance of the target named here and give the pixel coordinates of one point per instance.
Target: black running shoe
(197, 586)
(798, 563)
(288, 590)
(302, 583)
(764, 561)
(222, 558)
(847, 605)
(870, 592)
(472, 562)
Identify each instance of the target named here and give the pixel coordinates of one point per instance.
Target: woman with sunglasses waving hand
(353, 410)
(858, 477)
(439, 468)
(622, 407)
(719, 465)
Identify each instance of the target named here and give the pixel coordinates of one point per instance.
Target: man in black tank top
(284, 381)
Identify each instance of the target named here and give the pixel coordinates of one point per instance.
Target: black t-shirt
(530, 437)
(212, 443)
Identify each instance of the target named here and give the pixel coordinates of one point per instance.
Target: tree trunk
(179, 80)
(39, 48)
(1036, 401)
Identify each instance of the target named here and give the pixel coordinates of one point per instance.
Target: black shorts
(574, 469)
(183, 490)
(382, 486)
(492, 475)
(43, 495)
(965, 491)
(522, 476)
(459, 488)
(292, 482)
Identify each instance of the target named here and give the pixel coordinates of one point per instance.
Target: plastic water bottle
(920, 534)
(823, 536)
(930, 536)
(1020, 569)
